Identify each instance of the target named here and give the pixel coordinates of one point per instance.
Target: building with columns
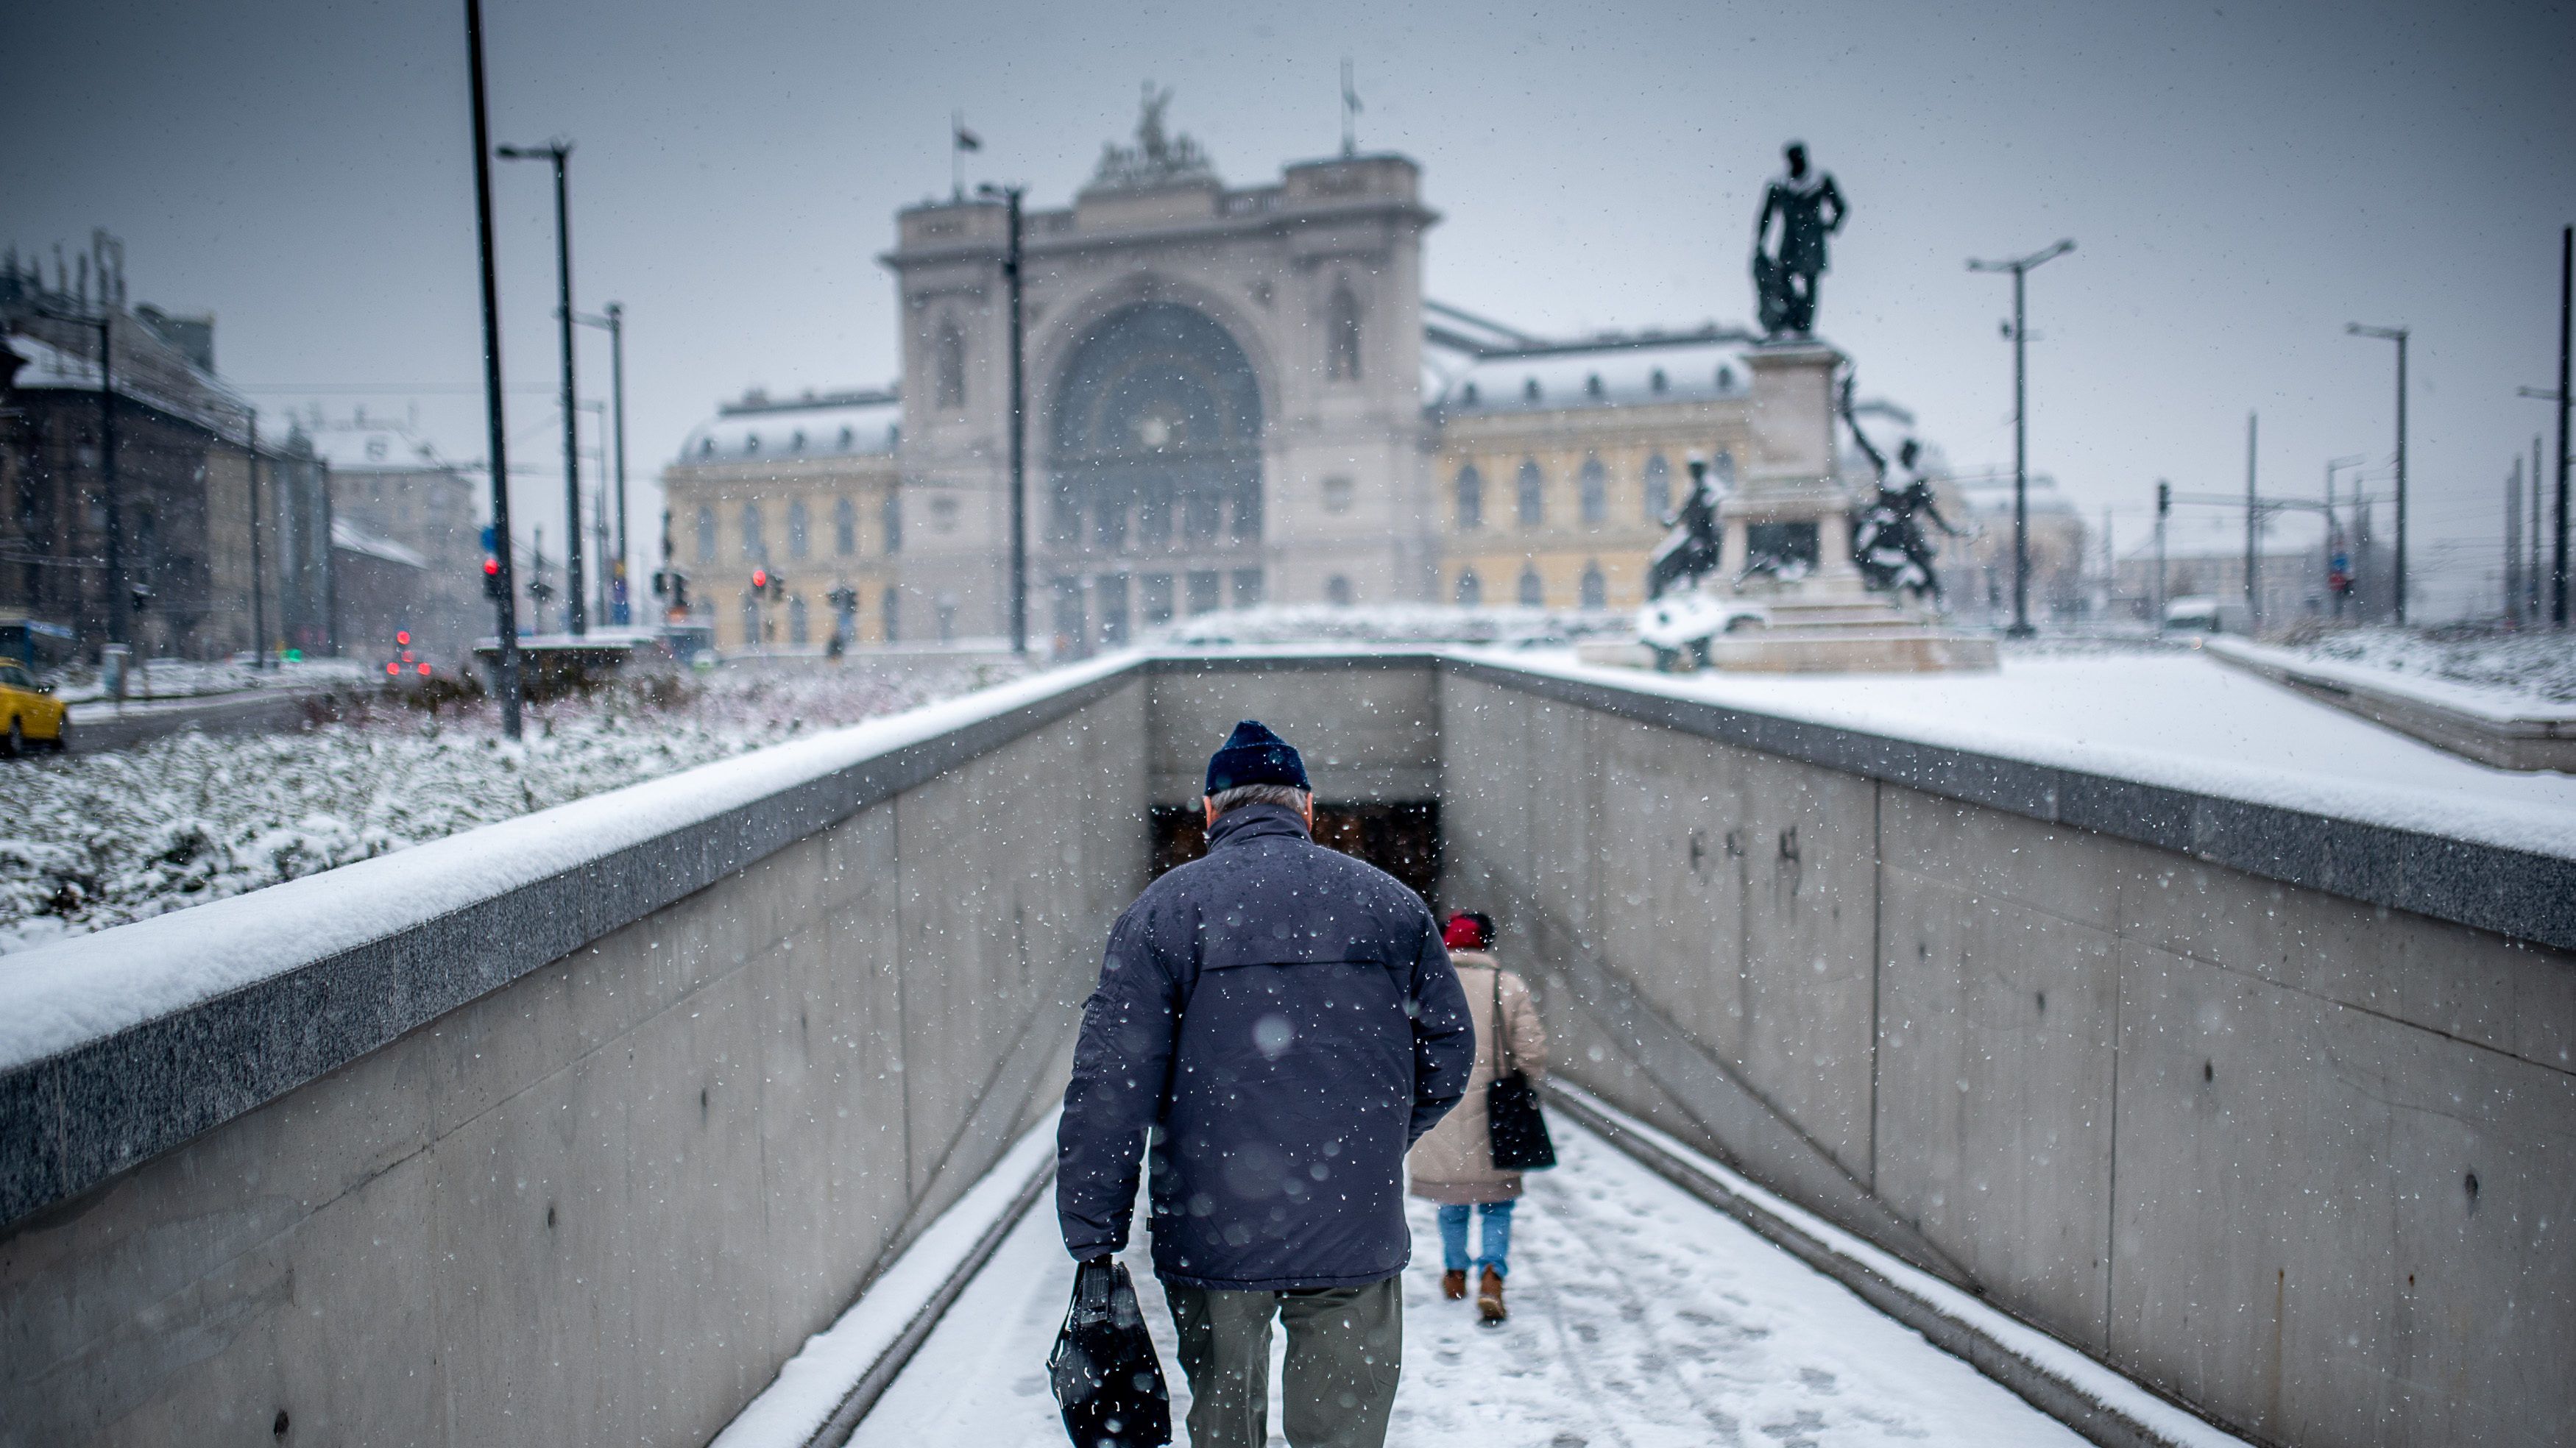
(1235, 396)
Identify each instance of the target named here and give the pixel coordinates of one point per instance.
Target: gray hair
(1287, 796)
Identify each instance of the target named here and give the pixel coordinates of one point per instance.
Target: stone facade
(803, 488)
(1224, 398)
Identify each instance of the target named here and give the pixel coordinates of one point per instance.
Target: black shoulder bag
(1512, 1119)
(1107, 1379)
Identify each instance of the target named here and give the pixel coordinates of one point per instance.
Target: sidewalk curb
(2094, 1400)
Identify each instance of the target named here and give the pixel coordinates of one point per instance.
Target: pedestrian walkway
(1641, 1317)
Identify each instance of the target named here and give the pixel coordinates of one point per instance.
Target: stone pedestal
(1791, 500)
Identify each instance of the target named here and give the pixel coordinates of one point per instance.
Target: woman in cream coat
(1454, 1163)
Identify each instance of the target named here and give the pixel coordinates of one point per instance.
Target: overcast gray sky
(2241, 180)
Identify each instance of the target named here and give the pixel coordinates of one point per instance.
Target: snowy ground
(94, 840)
(2169, 717)
(2539, 665)
(1641, 1317)
(185, 679)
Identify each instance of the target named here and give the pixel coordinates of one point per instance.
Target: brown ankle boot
(1453, 1285)
(1489, 1297)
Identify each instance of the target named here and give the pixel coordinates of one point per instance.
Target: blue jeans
(1498, 1237)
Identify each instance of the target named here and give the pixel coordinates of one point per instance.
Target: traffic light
(760, 581)
(2164, 499)
(493, 587)
(768, 585)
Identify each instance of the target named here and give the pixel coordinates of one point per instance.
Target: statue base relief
(1786, 596)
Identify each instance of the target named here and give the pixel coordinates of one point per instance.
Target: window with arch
(1531, 494)
(1342, 335)
(1596, 589)
(1471, 499)
(890, 520)
(799, 528)
(845, 527)
(1595, 491)
(1533, 593)
(1659, 489)
(797, 621)
(948, 360)
(750, 620)
(1471, 589)
(706, 534)
(754, 545)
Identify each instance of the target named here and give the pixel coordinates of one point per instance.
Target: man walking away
(1284, 1019)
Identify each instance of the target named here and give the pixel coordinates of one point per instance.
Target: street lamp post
(2020, 267)
(2397, 335)
(614, 320)
(505, 640)
(1010, 199)
(559, 152)
(2558, 546)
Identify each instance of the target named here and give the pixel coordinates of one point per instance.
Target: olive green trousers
(1345, 1350)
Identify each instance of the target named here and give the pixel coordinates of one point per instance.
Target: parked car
(34, 713)
(2201, 614)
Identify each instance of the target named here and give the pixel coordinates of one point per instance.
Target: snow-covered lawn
(186, 679)
(95, 840)
(1641, 1317)
(2171, 717)
(2539, 665)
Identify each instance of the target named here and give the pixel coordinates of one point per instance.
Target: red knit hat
(1468, 930)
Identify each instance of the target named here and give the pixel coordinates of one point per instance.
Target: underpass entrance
(1402, 839)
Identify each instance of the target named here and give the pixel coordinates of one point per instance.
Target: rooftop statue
(1157, 159)
(1810, 208)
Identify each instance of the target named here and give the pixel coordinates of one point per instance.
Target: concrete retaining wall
(2301, 1160)
(604, 1199)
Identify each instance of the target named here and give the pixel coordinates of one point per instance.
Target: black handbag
(1108, 1381)
(1517, 1130)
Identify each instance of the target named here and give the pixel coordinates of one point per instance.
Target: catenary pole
(2020, 268)
(2253, 529)
(258, 609)
(2399, 336)
(560, 153)
(2558, 542)
(617, 403)
(1012, 281)
(505, 606)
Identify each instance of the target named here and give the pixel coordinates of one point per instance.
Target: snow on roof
(200, 399)
(349, 537)
(1621, 373)
(844, 425)
(375, 447)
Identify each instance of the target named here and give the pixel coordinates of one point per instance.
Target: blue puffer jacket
(1285, 1019)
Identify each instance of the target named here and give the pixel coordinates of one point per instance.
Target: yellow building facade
(1557, 466)
(803, 491)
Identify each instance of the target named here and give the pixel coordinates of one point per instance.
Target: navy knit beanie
(1254, 755)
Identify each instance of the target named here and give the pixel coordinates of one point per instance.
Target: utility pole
(2253, 532)
(258, 611)
(505, 605)
(618, 605)
(2020, 267)
(2558, 544)
(2397, 335)
(2164, 509)
(1010, 198)
(2513, 541)
(560, 153)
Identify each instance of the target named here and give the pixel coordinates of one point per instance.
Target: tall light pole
(560, 153)
(505, 603)
(2397, 335)
(1010, 199)
(620, 606)
(258, 606)
(2020, 267)
(2558, 546)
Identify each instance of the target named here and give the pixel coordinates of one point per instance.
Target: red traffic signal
(392, 669)
(759, 580)
(492, 584)
(402, 636)
(424, 669)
